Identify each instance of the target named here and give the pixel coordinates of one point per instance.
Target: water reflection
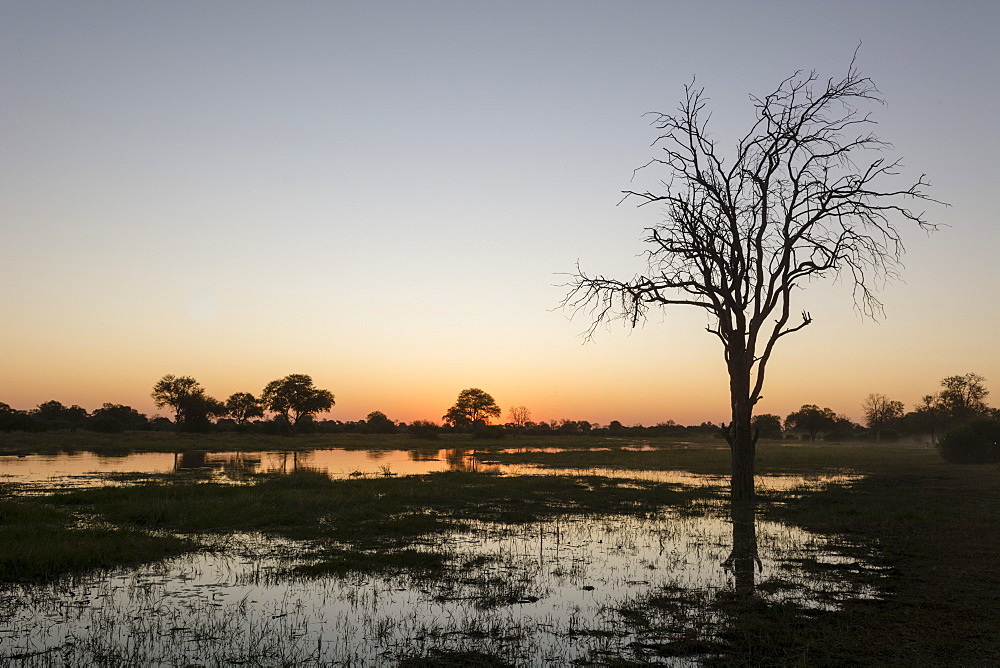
(553, 592)
(546, 593)
(84, 469)
(744, 558)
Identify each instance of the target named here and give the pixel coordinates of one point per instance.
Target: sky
(387, 196)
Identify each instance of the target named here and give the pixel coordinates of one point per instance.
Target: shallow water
(590, 588)
(85, 469)
(543, 593)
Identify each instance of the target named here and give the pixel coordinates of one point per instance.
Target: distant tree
(519, 417)
(197, 411)
(844, 428)
(963, 397)
(12, 419)
(811, 419)
(881, 413)
(58, 416)
(473, 405)
(379, 423)
(568, 427)
(805, 194)
(927, 417)
(160, 423)
(615, 427)
(294, 399)
(111, 418)
(172, 391)
(241, 406)
(423, 429)
(767, 425)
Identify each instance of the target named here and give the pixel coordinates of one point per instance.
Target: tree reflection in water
(744, 558)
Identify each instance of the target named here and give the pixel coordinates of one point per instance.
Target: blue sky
(383, 195)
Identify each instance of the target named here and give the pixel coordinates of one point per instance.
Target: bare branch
(808, 193)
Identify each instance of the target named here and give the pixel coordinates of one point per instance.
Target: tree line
(290, 405)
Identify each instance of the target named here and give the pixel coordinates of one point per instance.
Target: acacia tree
(294, 397)
(473, 405)
(242, 406)
(880, 412)
(176, 392)
(802, 197)
(767, 425)
(811, 419)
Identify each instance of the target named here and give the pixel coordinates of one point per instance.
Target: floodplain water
(591, 588)
(87, 469)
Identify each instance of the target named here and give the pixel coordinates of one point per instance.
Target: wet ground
(584, 588)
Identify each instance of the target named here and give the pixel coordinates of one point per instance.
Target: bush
(423, 429)
(977, 442)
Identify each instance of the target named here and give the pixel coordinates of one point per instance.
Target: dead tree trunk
(739, 433)
(800, 199)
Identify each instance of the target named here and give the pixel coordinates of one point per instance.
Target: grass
(937, 527)
(40, 541)
(712, 457)
(368, 512)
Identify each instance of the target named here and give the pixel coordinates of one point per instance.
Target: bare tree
(880, 412)
(519, 417)
(802, 198)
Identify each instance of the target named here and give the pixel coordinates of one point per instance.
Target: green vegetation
(38, 540)
(366, 513)
(773, 457)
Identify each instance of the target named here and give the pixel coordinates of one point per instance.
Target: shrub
(423, 429)
(977, 442)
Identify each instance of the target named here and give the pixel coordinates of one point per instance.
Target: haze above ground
(382, 196)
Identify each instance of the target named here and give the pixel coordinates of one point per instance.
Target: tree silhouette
(473, 405)
(520, 416)
(811, 419)
(294, 398)
(178, 392)
(60, 416)
(242, 406)
(767, 425)
(379, 423)
(880, 412)
(802, 198)
(963, 397)
(116, 418)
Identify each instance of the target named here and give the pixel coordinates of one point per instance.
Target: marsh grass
(773, 457)
(339, 561)
(105, 526)
(39, 541)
